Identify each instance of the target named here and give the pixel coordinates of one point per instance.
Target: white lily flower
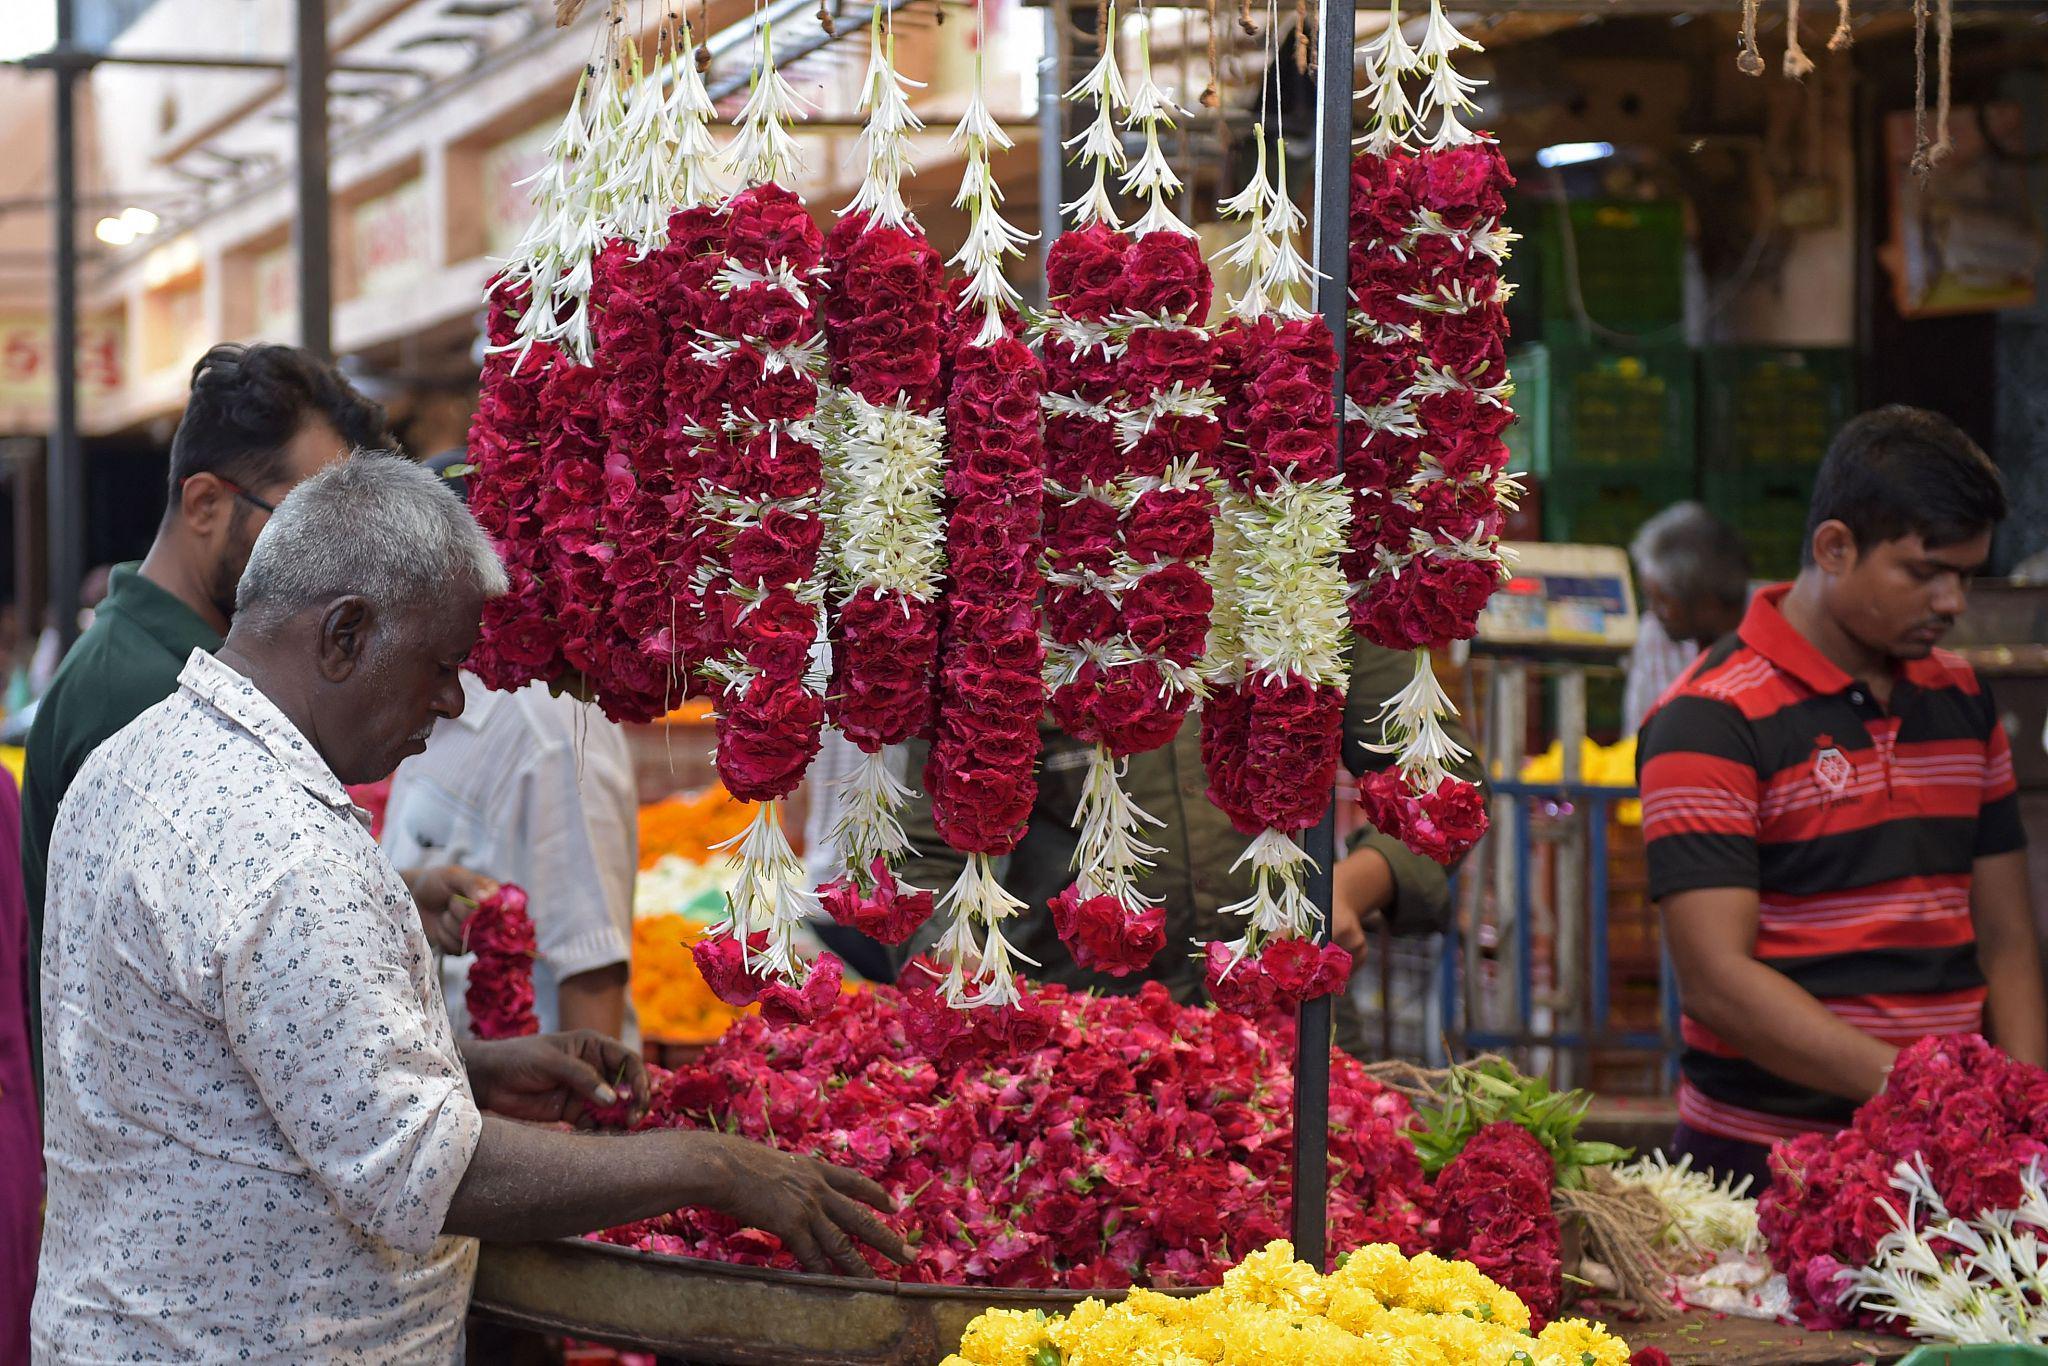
(763, 150)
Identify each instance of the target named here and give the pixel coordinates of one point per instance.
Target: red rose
(767, 224)
(769, 316)
(1104, 935)
(1083, 533)
(1168, 277)
(1439, 825)
(1244, 987)
(1170, 524)
(782, 547)
(767, 736)
(1084, 271)
(775, 633)
(888, 914)
(1302, 970)
(1167, 612)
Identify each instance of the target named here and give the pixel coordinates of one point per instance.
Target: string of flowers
(883, 428)
(499, 994)
(764, 508)
(1427, 399)
(1129, 430)
(1273, 721)
(991, 686)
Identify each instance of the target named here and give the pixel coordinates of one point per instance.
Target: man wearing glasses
(259, 421)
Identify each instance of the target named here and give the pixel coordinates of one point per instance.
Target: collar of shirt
(234, 696)
(157, 612)
(1765, 630)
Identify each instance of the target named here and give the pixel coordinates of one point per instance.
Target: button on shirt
(534, 789)
(257, 1115)
(1858, 825)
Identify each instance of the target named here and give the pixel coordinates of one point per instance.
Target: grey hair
(374, 525)
(1691, 554)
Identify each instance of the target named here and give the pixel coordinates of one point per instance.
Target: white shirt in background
(256, 1114)
(534, 789)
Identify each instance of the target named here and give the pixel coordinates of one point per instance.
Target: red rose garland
(1272, 727)
(884, 432)
(499, 997)
(1427, 390)
(763, 499)
(1128, 433)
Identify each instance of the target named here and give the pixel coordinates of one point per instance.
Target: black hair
(1899, 471)
(247, 404)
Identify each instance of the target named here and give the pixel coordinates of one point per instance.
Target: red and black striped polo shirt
(1766, 766)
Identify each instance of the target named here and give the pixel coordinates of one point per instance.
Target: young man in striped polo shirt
(1834, 839)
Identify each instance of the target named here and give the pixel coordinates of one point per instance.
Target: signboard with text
(391, 248)
(28, 362)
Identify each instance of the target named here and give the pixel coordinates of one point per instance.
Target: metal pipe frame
(312, 224)
(63, 57)
(64, 472)
(1335, 63)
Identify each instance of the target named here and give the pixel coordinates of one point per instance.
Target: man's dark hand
(446, 895)
(550, 1078)
(815, 1208)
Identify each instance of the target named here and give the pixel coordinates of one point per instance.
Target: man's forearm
(1786, 1031)
(528, 1183)
(594, 1000)
(2009, 951)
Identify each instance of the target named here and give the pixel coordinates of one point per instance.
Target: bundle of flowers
(1966, 1116)
(1378, 1306)
(1493, 1210)
(1129, 431)
(763, 503)
(499, 997)
(883, 428)
(991, 684)
(579, 477)
(1075, 1140)
(671, 1000)
(1273, 724)
(1427, 390)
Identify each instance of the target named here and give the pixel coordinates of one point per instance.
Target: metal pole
(64, 476)
(1332, 219)
(312, 228)
(1052, 75)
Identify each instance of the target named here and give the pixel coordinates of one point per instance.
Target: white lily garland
(764, 151)
(1152, 176)
(978, 961)
(990, 237)
(1101, 143)
(1962, 1280)
(690, 112)
(771, 894)
(1390, 64)
(885, 95)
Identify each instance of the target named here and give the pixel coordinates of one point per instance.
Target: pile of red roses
(1973, 1115)
(499, 997)
(1078, 1140)
(766, 508)
(991, 684)
(1493, 1210)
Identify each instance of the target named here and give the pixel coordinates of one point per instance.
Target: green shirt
(1193, 875)
(126, 662)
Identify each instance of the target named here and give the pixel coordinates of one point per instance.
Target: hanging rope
(1748, 60)
(1213, 96)
(1922, 164)
(1944, 32)
(1842, 37)
(566, 12)
(1798, 65)
(1244, 19)
(1303, 19)
(703, 35)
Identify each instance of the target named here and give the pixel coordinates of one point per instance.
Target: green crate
(1528, 440)
(1977, 1356)
(1772, 407)
(1769, 508)
(1605, 507)
(1622, 409)
(1631, 265)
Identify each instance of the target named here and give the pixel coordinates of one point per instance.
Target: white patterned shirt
(256, 1112)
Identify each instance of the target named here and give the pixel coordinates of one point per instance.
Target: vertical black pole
(64, 472)
(312, 226)
(1331, 220)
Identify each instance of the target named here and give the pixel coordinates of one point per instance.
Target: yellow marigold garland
(1378, 1309)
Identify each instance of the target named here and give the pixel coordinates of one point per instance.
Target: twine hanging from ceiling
(1842, 37)
(1213, 96)
(1749, 61)
(1945, 32)
(1798, 65)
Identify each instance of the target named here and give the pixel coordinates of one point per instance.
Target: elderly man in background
(263, 1139)
(1694, 571)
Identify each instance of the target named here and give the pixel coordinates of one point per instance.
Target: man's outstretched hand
(555, 1078)
(816, 1209)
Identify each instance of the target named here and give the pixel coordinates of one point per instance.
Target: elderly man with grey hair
(263, 1140)
(1694, 572)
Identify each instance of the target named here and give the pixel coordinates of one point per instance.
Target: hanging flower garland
(764, 506)
(1428, 399)
(499, 996)
(883, 428)
(991, 686)
(1129, 430)
(1273, 722)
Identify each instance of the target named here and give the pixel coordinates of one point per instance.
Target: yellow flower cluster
(1378, 1309)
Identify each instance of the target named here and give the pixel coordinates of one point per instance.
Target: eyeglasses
(232, 487)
